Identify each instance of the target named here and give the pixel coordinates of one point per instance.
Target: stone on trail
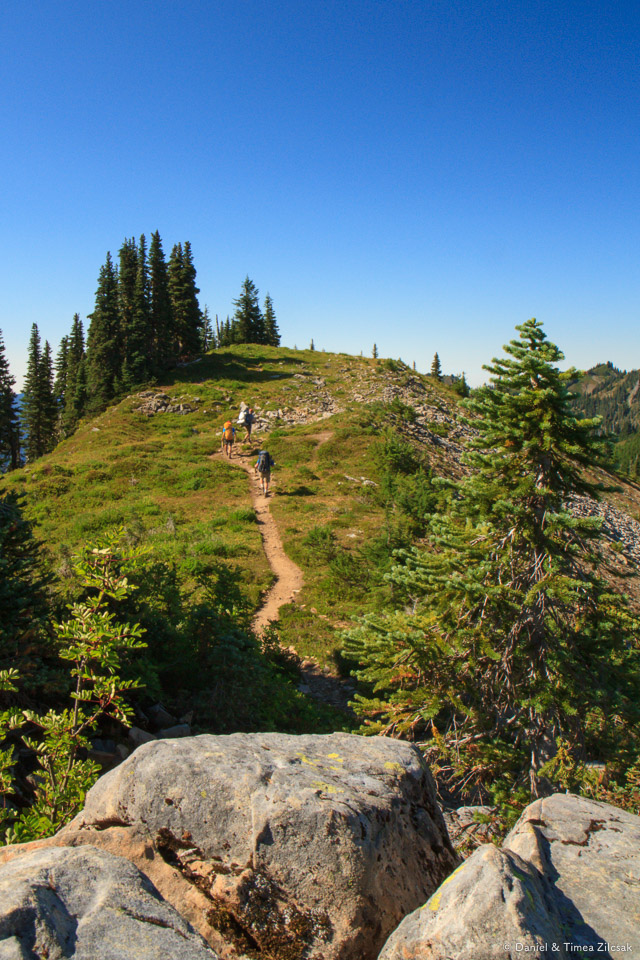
(284, 846)
(85, 903)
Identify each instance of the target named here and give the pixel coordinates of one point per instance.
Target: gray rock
(160, 717)
(566, 882)
(488, 906)
(591, 852)
(85, 903)
(309, 846)
(178, 730)
(137, 737)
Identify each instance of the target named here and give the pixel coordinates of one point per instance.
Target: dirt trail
(289, 578)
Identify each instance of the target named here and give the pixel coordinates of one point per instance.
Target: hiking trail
(288, 575)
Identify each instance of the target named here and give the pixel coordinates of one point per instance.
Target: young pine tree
(436, 369)
(271, 332)
(163, 340)
(9, 422)
(103, 341)
(248, 320)
(515, 651)
(207, 336)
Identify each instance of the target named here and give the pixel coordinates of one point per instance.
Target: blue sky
(424, 175)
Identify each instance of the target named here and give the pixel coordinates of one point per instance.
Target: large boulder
(284, 846)
(591, 853)
(483, 910)
(566, 882)
(85, 903)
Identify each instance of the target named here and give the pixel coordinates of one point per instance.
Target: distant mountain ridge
(613, 394)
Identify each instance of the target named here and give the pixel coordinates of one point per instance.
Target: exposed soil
(288, 575)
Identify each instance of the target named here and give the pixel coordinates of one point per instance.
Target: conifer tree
(183, 291)
(248, 320)
(127, 273)
(9, 423)
(62, 363)
(207, 336)
(103, 341)
(271, 332)
(50, 407)
(163, 342)
(75, 387)
(374, 352)
(312, 345)
(515, 653)
(35, 410)
(136, 366)
(436, 369)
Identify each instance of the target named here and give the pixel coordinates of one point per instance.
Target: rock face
(566, 882)
(85, 903)
(282, 846)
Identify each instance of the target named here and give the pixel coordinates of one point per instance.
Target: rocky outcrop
(276, 846)
(86, 903)
(566, 882)
(158, 402)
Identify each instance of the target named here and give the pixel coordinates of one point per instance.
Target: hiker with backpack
(228, 438)
(246, 419)
(263, 469)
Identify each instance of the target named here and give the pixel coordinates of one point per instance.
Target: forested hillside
(614, 395)
(390, 499)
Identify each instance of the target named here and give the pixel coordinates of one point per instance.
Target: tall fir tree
(103, 341)
(163, 343)
(187, 318)
(271, 332)
(62, 365)
(207, 336)
(436, 369)
(32, 415)
(9, 422)
(137, 362)
(127, 273)
(248, 320)
(516, 661)
(75, 392)
(50, 406)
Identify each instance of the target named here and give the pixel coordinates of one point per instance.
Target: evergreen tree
(312, 345)
(271, 332)
(248, 320)
(50, 406)
(38, 414)
(136, 367)
(207, 336)
(516, 658)
(103, 341)
(127, 334)
(75, 387)
(436, 369)
(374, 352)
(184, 300)
(62, 363)
(9, 423)
(163, 341)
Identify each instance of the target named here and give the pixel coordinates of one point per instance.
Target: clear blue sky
(424, 174)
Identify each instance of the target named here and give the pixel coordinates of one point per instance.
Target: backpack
(228, 430)
(242, 419)
(264, 462)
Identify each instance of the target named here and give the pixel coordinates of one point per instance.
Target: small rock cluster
(617, 527)
(154, 402)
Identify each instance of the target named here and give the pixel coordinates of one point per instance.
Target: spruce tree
(136, 366)
(127, 273)
(9, 423)
(183, 291)
(374, 352)
(32, 413)
(312, 345)
(248, 320)
(517, 659)
(75, 390)
(207, 336)
(62, 364)
(163, 341)
(50, 406)
(436, 369)
(103, 341)
(271, 332)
